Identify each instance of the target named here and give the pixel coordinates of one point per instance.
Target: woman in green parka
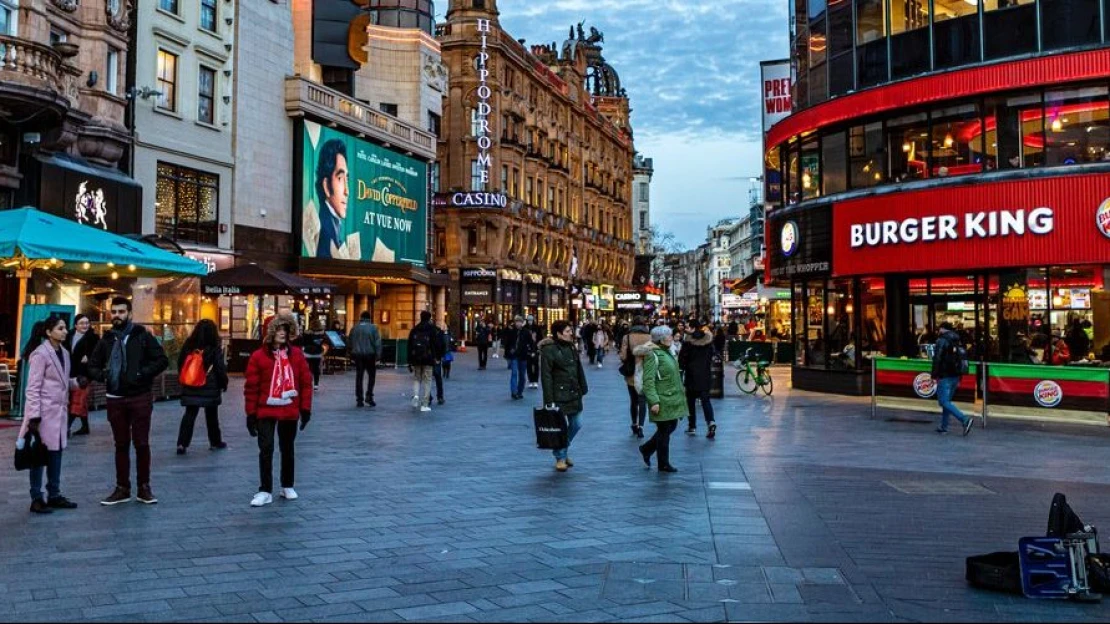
(564, 383)
(665, 395)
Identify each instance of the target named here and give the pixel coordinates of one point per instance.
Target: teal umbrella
(31, 239)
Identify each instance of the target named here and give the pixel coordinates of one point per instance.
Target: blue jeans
(53, 477)
(574, 423)
(520, 373)
(946, 390)
(600, 355)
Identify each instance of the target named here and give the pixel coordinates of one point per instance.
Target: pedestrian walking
(425, 349)
(277, 393)
(203, 343)
(442, 368)
(314, 344)
(601, 343)
(519, 348)
(695, 361)
(128, 360)
(949, 364)
(365, 345)
(45, 406)
(533, 361)
(587, 334)
(482, 342)
(637, 336)
(564, 383)
(495, 333)
(665, 396)
(80, 343)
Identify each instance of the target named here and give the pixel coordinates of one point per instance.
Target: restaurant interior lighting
(948, 140)
(115, 275)
(831, 309)
(906, 146)
(1057, 125)
(131, 267)
(85, 266)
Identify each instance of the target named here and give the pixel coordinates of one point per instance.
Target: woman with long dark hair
(45, 406)
(205, 341)
(80, 344)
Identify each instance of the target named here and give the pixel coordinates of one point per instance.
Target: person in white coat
(46, 408)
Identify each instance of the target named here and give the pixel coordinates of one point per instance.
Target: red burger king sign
(1102, 218)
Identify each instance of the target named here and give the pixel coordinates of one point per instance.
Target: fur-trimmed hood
(645, 349)
(546, 341)
(698, 341)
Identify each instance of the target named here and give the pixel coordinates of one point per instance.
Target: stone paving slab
(802, 509)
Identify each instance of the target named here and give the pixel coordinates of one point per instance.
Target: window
(476, 183)
(8, 17)
(167, 80)
(475, 123)
(186, 205)
(208, 15)
(514, 184)
(434, 172)
(434, 123)
(834, 163)
(505, 179)
(643, 220)
(801, 53)
(909, 43)
(206, 96)
(644, 191)
(1076, 127)
(908, 147)
(1066, 23)
(550, 198)
(170, 6)
(1009, 27)
(111, 71)
(955, 33)
(57, 36)
(870, 42)
(1014, 132)
(389, 108)
(811, 168)
(957, 146)
(528, 190)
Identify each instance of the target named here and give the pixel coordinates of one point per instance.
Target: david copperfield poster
(360, 201)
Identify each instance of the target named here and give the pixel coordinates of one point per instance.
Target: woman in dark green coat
(666, 398)
(564, 382)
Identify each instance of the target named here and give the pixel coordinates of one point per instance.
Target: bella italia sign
(482, 112)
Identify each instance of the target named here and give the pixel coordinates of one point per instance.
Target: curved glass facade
(1031, 128)
(841, 46)
(403, 14)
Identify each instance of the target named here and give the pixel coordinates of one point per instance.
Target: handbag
(34, 453)
(551, 428)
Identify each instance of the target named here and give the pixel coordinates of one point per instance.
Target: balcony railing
(31, 63)
(304, 96)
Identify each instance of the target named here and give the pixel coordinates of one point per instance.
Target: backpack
(420, 348)
(192, 374)
(954, 357)
(628, 365)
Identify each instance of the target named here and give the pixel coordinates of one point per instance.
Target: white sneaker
(262, 498)
(599, 364)
(425, 409)
(415, 401)
(289, 493)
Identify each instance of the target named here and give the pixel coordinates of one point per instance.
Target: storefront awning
(768, 292)
(251, 279)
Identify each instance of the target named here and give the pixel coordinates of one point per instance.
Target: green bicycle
(748, 378)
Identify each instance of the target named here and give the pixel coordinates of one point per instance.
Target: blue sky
(691, 68)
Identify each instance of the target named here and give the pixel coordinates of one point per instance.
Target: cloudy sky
(691, 68)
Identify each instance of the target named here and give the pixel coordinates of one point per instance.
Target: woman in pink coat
(45, 407)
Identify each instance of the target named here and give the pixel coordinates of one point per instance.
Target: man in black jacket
(482, 337)
(128, 360)
(695, 360)
(425, 349)
(948, 361)
(519, 348)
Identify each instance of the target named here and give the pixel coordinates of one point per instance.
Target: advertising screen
(360, 201)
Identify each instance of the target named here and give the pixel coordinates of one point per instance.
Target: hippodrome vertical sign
(483, 110)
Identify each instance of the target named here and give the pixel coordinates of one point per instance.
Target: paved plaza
(803, 508)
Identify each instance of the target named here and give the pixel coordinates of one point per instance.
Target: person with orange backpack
(203, 376)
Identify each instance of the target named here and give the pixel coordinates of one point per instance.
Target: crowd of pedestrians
(666, 373)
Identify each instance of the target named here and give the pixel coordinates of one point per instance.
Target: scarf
(117, 361)
(282, 387)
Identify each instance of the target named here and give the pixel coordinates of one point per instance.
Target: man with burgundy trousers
(128, 360)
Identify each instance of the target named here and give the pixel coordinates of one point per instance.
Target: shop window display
(872, 341)
(840, 325)
(816, 346)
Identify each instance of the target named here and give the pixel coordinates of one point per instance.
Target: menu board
(1080, 299)
(1038, 299)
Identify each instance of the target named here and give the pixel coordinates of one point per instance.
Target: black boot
(69, 425)
(84, 430)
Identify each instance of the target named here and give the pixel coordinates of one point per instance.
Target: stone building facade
(535, 182)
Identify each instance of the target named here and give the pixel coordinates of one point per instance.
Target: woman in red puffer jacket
(278, 392)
